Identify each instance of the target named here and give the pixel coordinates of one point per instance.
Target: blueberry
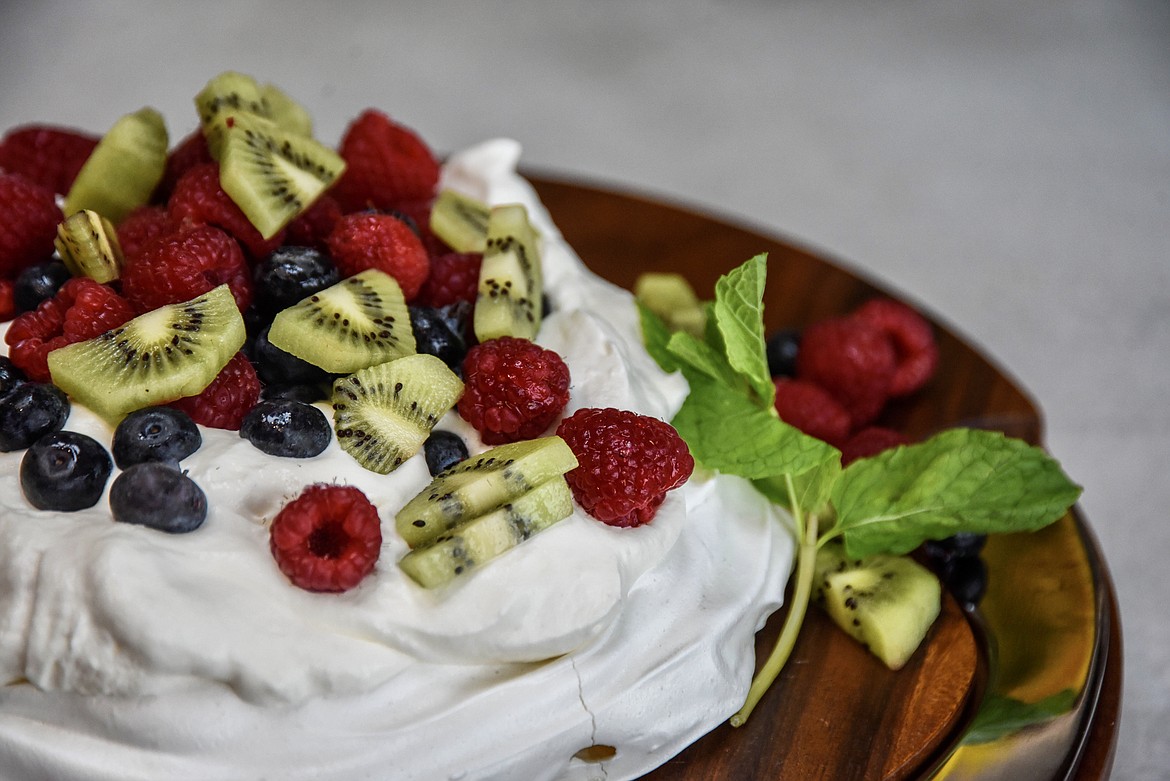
(155, 434)
(37, 283)
(290, 274)
(443, 449)
(966, 579)
(781, 349)
(158, 495)
(29, 412)
(309, 394)
(433, 336)
(10, 375)
(287, 428)
(65, 471)
(276, 367)
(955, 546)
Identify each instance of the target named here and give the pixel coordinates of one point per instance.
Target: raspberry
(454, 277)
(811, 409)
(48, 156)
(7, 300)
(913, 340)
(313, 226)
(187, 154)
(225, 402)
(142, 226)
(327, 539)
(370, 240)
(186, 264)
(513, 389)
(626, 463)
(386, 165)
(850, 359)
(82, 309)
(199, 199)
(869, 442)
(29, 216)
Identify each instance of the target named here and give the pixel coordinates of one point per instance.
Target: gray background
(1005, 163)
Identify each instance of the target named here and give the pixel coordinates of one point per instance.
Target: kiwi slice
(485, 537)
(671, 297)
(88, 245)
(481, 483)
(460, 221)
(508, 302)
(271, 174)
(231, 93)
(170, 352)
(384, 413)
(887, 603)
(123, 169)
(285, 111)
(361, 321)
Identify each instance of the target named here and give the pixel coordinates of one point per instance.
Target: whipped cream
(133, 654)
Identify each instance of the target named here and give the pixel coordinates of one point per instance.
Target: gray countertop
(1004, 164)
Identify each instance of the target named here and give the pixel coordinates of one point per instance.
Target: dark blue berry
(309, 394)
(290, 274)
(966, 579)
(433, 336)
(781, 349)
(276, 367)
(443, 449)
(30, 411)
(38, 283)
(287, 428)
(955, 546)
(10, 375)
(65, 471)
(155, 434)
(158, 495)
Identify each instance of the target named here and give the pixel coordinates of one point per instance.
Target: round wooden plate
(836, 712)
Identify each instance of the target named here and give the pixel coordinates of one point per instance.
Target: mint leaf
(813, 488)
(739, 313)
(1000, 716)
(656, 336)
(690, 353)
(959, 480)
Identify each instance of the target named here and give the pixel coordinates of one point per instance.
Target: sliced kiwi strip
(231, 93)
(671, 297)
(124, 168)
(460, 221)
(165, 354)
(383, 414)
(887, 603)
(485, 537)
(482, 483)
(361, 321)
(510, 282)
(88, 245)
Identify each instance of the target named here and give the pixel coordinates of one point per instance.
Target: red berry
(184, 265)
(142, 226)
(7, 300)
(626, 463)
(454, 277)
(386, 165)
(187, 154)
(82, 309)
(913, 340)
(869, 442)
(369, 240)
(513, 389)
(811, 409)
(29, 216)
(313, 226)
(48, 156)
(327, 539)
(225, 402)
(199, 199)
(850, 359)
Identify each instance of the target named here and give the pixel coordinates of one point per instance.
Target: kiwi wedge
(887, 603)
(361, 321)
(165, 354)
(482, 483)
(384, 413)
(510, 281)
(88, 245)
(460, 221)
(123, 169)
(231, 93)
(671, 297)
(483, 538)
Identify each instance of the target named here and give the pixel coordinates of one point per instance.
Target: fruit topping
(287, 428)
(515, 389)
(65, 471)
(913, 340)
(188, 153)
(227, 399)
(460, 221)
(671, 297)
(88, 245)
(368, 240)
(311, 227)
(510, 279)
(10, 376)
(124, 169)
(48, 156)
(199, 199)
(277, 368)
(384, 413)
(231, 94)
(38, 283)
(7, 300)
(183, 265)
(852, 360)
(387, 165)
(158, 496)
(163, 434)
(443, 450)
(454, 278)
(140, 228)
(28, 412)
(433, 335)
(327, 539)
(811, 409)
(30, 218)
(627, 463)
(290, 274)
(870, 441)
(167, 353)
(781, 350)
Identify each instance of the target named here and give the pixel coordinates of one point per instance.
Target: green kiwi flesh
(481, 539)
(508, 302)
(359, 322)
(88, 246)
(165, 354)
(480, 484)
(460, 221)
(671, 297)
(231, 93)
(887, 603)
(124, 168)
(383, 414)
